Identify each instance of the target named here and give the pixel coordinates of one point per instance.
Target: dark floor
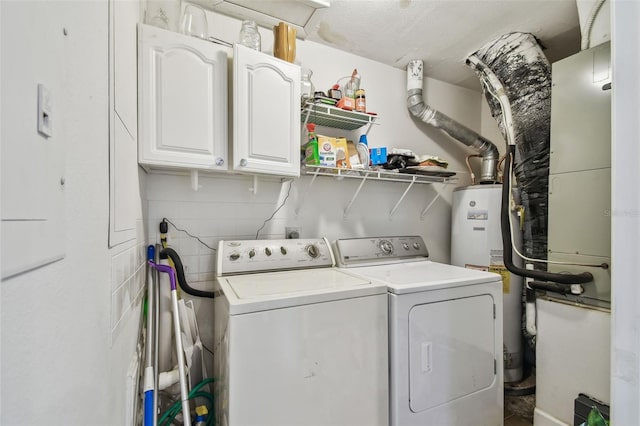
(515, 420)
(518, 410)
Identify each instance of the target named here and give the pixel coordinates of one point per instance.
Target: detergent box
(327, 151)
(378, 155)
(342, 154)
(333, 152)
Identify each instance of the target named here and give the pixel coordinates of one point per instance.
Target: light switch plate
(45, 124)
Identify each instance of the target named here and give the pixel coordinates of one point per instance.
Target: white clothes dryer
(445, 333)
(298, 341)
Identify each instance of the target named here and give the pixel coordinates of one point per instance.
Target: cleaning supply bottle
(363, 151)
(311, 150)
(201, 415)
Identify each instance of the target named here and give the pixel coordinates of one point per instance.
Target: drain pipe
(419, 109)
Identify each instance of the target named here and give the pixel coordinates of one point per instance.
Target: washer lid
(274, 290)
(412, 277)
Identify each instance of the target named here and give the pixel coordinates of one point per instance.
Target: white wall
(65, 346)
(625, 218)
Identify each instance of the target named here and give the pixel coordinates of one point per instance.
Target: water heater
(476, 243)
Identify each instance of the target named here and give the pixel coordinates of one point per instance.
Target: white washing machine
(445, 333)
(298, 341)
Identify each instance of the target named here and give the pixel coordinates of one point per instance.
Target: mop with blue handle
(150, 409)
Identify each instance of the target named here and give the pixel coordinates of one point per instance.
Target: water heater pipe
(419, 109)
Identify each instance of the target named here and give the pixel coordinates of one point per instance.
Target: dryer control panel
(375, 250)
(246, 256)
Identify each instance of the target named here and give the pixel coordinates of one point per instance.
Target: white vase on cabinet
(182, 101)
(266, 114)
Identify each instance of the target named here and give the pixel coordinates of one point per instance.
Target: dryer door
(451, 350)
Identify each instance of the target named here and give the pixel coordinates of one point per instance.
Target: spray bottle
(311, 156)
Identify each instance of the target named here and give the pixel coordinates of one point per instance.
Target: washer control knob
(386, 246)
(416, 246)
(252, 253)
(283, 250)
(312, 251)
(405, 246)
(234, 256)
(267, 251)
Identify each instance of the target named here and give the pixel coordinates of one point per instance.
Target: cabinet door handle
(219, 161)
(243, 162)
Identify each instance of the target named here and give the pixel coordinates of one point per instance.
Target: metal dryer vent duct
(524, 74)
(418, 108)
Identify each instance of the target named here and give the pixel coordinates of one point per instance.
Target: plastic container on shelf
(284, 42)
(250, 36)
(361, 103)
(363, 155)
(363, 151)
(164, 14)
(307, 89)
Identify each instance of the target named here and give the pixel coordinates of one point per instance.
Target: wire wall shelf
(380, 175)
(374, 175)
(330, 116)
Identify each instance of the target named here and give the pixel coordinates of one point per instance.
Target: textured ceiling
(442, 32)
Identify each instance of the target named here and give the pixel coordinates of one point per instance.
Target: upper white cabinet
(182, 101)
(266, 114)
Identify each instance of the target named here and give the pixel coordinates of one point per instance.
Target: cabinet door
(183, 101)
(266, 121)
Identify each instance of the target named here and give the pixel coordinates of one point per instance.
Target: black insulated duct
(517, 61)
